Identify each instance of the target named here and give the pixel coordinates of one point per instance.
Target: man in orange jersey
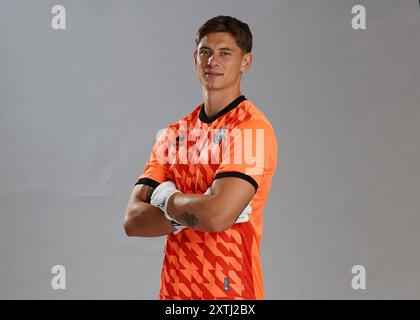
(208, 177)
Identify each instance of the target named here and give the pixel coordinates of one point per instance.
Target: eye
(204, 53)
(223, 53)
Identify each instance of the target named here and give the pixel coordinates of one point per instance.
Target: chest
(195, 156)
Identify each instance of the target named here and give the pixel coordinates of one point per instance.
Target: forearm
(145, 220)
(196, 211)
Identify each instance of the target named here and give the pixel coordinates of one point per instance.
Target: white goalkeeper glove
(159, 199)
(161, 195)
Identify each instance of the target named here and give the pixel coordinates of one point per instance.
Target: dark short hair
(238, 29)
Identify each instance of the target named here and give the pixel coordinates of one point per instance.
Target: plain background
(80, 109)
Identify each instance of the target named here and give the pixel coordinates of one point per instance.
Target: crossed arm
(210, 213)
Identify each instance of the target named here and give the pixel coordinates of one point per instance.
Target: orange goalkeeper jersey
(240, 142)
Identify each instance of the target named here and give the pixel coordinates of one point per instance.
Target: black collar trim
(204, 118)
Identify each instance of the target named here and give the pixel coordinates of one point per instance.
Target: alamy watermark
(58, 281)
(215, 146)
(359, 280)
(58, 22)
(359, 20)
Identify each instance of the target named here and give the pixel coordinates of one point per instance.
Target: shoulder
(256, 119)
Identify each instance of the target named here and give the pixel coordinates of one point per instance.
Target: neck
(214, 101)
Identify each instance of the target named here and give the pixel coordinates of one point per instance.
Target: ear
(246, 62)
(195, 58)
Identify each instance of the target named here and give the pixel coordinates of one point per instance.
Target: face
(219, 62)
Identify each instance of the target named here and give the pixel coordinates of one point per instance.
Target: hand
(244, 216)
(161, 195)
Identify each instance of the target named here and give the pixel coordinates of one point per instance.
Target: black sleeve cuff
(237, 174)
(149, 182)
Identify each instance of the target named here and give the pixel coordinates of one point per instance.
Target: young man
(208, 177)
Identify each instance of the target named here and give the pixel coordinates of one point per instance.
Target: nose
(213, 61)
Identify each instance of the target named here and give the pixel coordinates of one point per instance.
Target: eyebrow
(224, 48)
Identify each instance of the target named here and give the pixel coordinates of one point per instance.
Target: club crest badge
(218, 137)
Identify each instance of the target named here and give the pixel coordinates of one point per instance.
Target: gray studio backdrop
(80, 108)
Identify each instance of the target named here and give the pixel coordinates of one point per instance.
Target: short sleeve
(155, 171)
(250, 152)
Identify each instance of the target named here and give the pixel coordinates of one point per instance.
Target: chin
(214, 87)
(214, 84)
